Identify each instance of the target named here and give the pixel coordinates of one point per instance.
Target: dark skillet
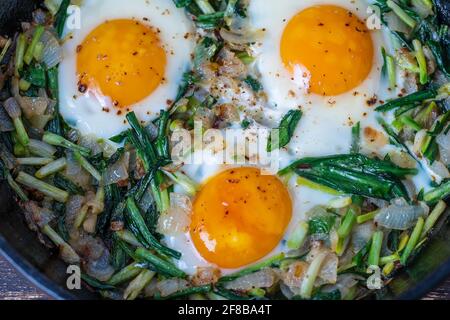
(21, 247)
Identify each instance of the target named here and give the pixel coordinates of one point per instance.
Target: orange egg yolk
(332, 44)
(239, 217)
(121, 59)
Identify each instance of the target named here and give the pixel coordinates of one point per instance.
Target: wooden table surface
(13, 286)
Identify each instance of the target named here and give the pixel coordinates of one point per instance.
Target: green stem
(5, 49)
(184, 181)
(51, 168)
(390, 68)
(344, 230)
(413, 240)
(57, 140)
(126, 274)
(307, 285)
(138, 284)
(137, 223)
(32, 47)
(17, 189)
(66, 251)
(375, 249)
(409, 121)
(128, 237)
(34, 161)
(366, 217)
(256, 267)
(162, 266)
(205, 6)
(87, 166)
(298, 236)
(20, 52)
(45, 188)
(401, 13)
(22, 135)
(439, 193)
(420, 56)
(315, 186)
(433, 217)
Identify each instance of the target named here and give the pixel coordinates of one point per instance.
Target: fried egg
(317, 56)
(122, 59)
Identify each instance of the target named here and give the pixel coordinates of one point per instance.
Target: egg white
(84, 112)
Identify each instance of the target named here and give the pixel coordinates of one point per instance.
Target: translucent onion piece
(177, 219)
(75, 173)
(118, 171)
(440, 169)
(400, 215)
(261, 279)
(443, 140)
(12, 107)
(40, 216)
(170, 286)
(41, 148)
(52, 53)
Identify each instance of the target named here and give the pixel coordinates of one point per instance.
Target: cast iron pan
(42, 267)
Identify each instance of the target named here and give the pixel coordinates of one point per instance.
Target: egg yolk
(121, 59)
(332, 44)
(239, 217)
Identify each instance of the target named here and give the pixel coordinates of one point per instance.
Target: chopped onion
(92, 143)
(76, 173)
(400, 215)
(418, 141)
(178, 218)
(7, 157)
(12, 107)
(33, 106)
(206, 275)
(395, 23)
(361, 234)
(440, 170)
(73, 207)
(40, 148)
(328, 270)
(345, 283)
(443, 140)
(169, 286)
(402, 159)
(241, 38)
(100, 268)
(52, 53)
(294, 275)
(147, 200)
(5, 121)
(261, 279)
(39, 122)
(40, 216)
(118, 171)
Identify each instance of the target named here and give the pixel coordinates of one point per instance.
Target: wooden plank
(14, 286)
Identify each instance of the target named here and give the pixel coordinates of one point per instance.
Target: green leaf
(253, 83)
(285, 130)
(61, 17)
(321, 224)
(36, 75)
